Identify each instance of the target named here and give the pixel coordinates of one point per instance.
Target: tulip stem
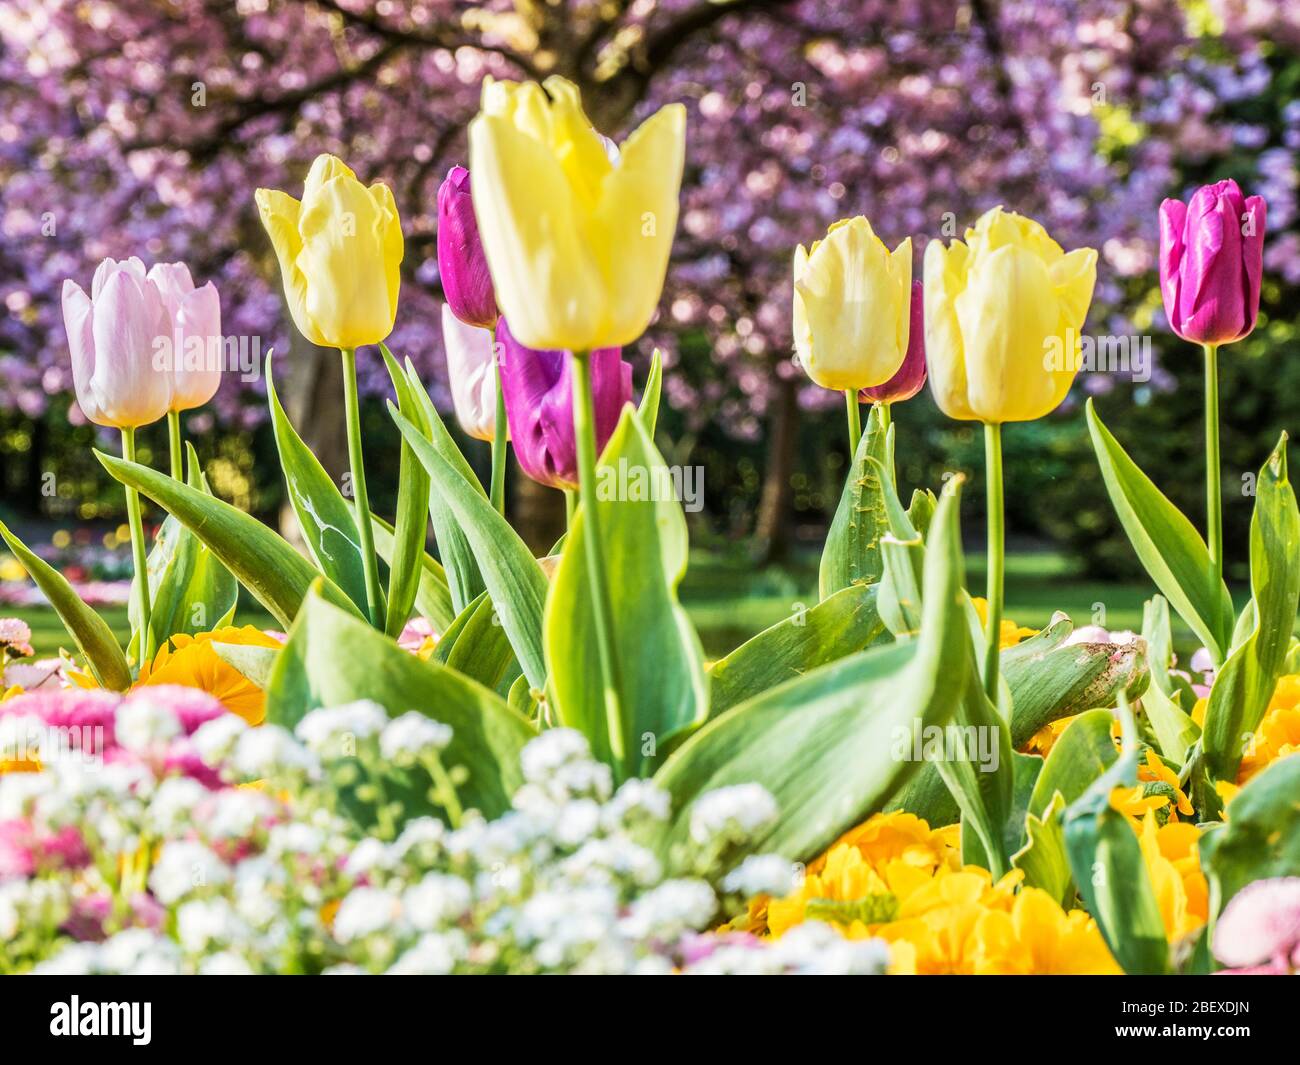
(498, 496)
(885, 416)
(174, 442)
(996, 550)
(138, 552)
(584, 431)
(570, 507)
(1213, 475)
(352, 414)
(855, 421)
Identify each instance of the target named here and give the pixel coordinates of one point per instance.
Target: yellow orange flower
(191, 661)
(1171, 853)
(896, 878)
(1042, 741)
(1009, 634)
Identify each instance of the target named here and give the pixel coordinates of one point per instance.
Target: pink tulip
(910, 377)
(197, 350)
(1211, 262)
(462, 263)
(113, 336)
(472, 374)
(538, 387)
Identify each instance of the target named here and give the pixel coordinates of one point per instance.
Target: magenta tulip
(1211, 262)
(114, 335)
(910, 378)
(462, 265)
(198, 350)
(538, 389)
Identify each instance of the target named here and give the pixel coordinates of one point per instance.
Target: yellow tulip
(339, 251)
(1003, 314)
(852, 307)
(577, 235)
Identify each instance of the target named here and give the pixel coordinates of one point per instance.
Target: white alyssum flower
(760, 874)
(669, 910)
(205, 923)
(226, 963)
(236, 813)
(365, 911)
(370, 853)
(138, 951)
(438, 899)
(406, 738)
(330, 727)
(172, 807)
(183, 867)
(215, 740)
(637, 800)
(732, 814)
(270, 749)
(142, 725)
(432, 955)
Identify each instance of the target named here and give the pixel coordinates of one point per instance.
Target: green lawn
(729, 600)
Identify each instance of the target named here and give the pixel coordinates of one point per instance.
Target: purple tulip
(910, 378)
(1211, 262)
(462, 265)
(538, 389)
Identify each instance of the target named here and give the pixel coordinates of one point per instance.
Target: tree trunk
(772, 530)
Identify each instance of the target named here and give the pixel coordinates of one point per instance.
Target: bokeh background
(143, 127)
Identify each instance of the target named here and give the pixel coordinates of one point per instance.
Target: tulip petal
(1173, 224)
(471, 373)
(200, 349)
(279, 213)
(129, 322)
(1252, 254)
(637, 219)
(945, 280)
(538, 244)
(78, 321)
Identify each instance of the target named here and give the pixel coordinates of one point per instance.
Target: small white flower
(262, 752)
(142, 725)
(407, 737)
(171, 808)
(215, 740)
(236, 813)
(327, 728)
(671, 909)
(432, 955)
(185, 866)
(205, 923)
(225, 963)
(364, 911)
(138, 951)
(344, 969)
(576, 822)
(370, 853)
(637, 799)
(552, 749)
(295, 837)
(423, 834)
(760, 874)
(734, 814)
(437, 900)
(22, 738)
(76, 959)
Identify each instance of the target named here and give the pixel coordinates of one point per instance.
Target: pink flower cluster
(1259, 932)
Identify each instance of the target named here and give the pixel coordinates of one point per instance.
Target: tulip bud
(462, 264)
(852, 306)
(197, 347)
(340, 250)
(1211, 263)
(472, 374)
(577, 241)
(114, 336)
(1003, 314)
(910, 378)
(538, 388)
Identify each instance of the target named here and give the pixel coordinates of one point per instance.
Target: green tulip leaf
(827, 745)
(1261, 837)
(513, 577)
(1243, 687)
(1042, 858)
(190, 591)
(90, 632)
(333, 657)
(1166, 543)
(263, 562)
(1107, 865)
(476, 644)
(649, 408)
(325, 518)
(254, 663)
(852, 551)
(432, 595)
(846, 622)
(464, 579)
(664, 689)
